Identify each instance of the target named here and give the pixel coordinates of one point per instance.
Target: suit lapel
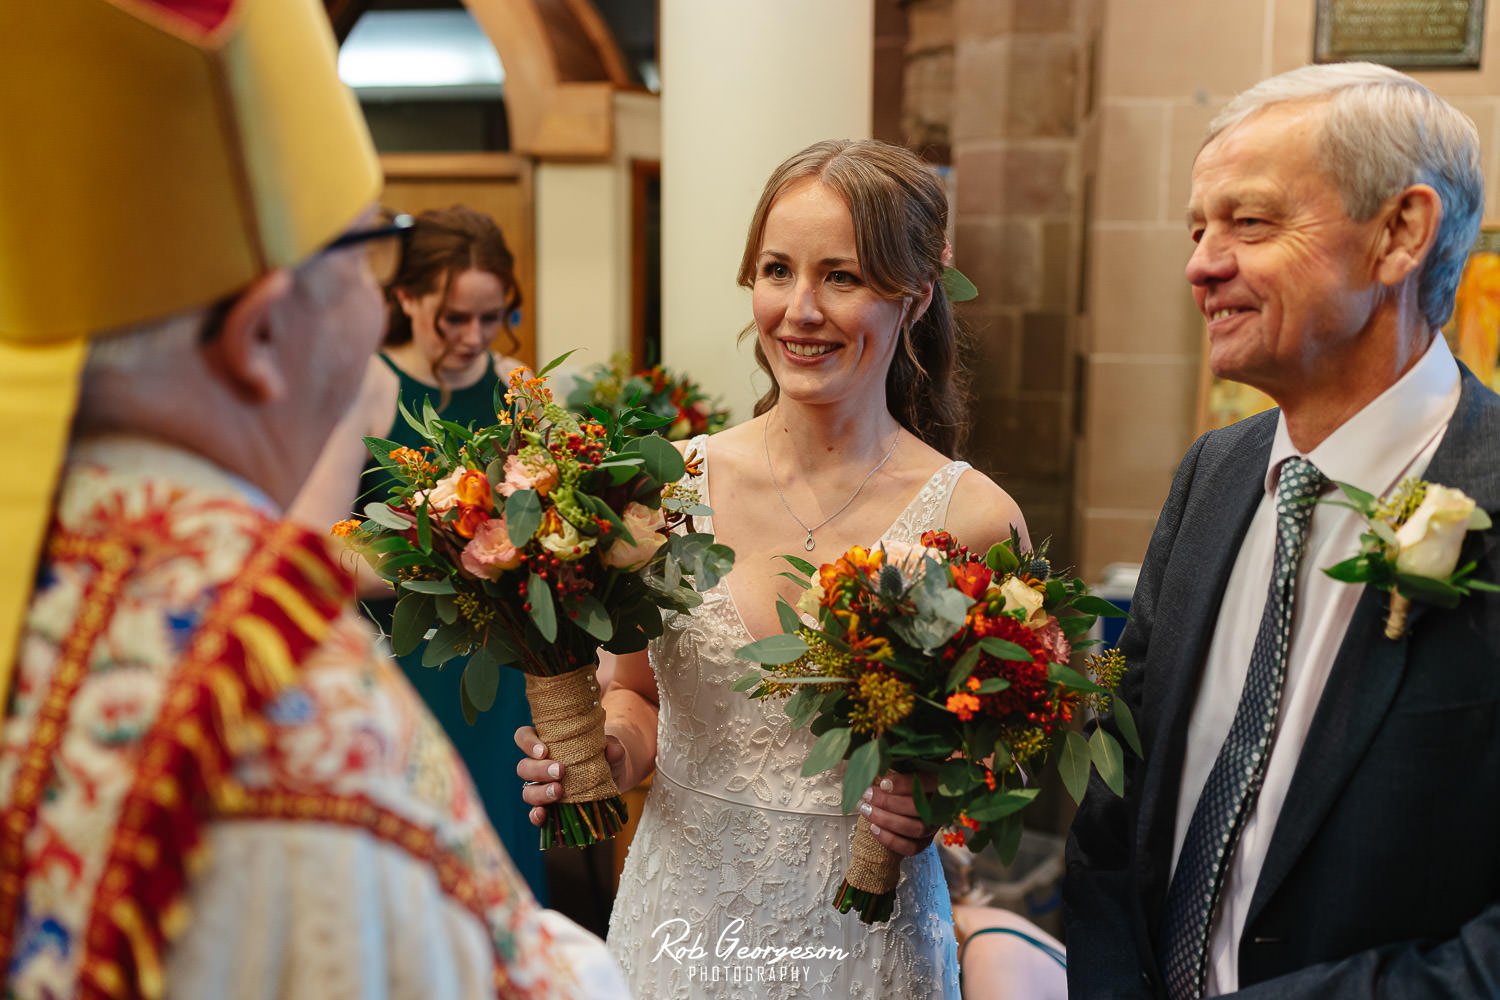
(1207, 545)
(1369, 668)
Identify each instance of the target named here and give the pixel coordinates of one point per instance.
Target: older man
(1314, 815)
(210, 783)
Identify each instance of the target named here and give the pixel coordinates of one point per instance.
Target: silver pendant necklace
(808, 542)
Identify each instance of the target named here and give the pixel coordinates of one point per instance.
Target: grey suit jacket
(1383, 873)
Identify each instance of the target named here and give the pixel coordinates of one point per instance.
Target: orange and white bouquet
(937, 662)
(532, 543)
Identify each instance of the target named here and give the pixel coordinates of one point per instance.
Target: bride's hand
(892, 813)
(543, 775)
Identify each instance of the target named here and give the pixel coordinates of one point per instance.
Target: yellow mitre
(159, 156)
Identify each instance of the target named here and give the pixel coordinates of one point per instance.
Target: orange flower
(469, 519)
(972, 579)
(973, 683)
(344, 529)
(989, 779)
(972, 824)
(963, 705)
(406, 456)
(473, 488)
(954, 838)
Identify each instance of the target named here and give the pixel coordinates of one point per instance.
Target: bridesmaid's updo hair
(900, 215)
(444, 243)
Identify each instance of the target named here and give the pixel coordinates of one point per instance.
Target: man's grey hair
(1385, 132)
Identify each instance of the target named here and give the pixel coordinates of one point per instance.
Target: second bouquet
(533, 543)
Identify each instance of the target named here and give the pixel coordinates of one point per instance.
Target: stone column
(745, 83)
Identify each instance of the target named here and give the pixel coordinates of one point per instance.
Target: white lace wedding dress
(727, 890)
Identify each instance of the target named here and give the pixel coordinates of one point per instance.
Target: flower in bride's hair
(490, 552)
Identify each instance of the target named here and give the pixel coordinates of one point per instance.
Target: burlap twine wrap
(873, 867)
(566, 713)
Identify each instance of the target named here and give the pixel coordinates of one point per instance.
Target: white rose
(1019, 595)
(1427, 544)
(564, 541)
(644, 525)
(811, 598)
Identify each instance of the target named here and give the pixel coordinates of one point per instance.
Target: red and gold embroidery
(112, 561)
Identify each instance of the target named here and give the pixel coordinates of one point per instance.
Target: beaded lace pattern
(736, 850)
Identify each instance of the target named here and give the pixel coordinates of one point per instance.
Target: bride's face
(826, 334)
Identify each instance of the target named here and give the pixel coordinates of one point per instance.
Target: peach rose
(1018, 595)
(490, 553)
(644, 525)
(528, 474)
(443, 496)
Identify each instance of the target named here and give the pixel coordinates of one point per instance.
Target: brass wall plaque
(1402, 33)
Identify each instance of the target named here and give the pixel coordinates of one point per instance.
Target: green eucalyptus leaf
(543, 613)
(428, 586)
(962, 668)
(1073, 765)
(410, 622)
(1071, 679)
(1004, 649)
(1001, 803)
(447, 608)
(591, 616)
(1091, 605)
(787, 615)
(865, 764)
(827, 751)
(1125, 721)
(523, 515)
(1109, 759)
(481, 679)
(663, 462)
(1007, 836)
(445, 644)
(381, 514)
(773, 649)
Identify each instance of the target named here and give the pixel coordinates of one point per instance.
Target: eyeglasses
(385, 244)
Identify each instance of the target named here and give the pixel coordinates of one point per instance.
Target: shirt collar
(1373, 448)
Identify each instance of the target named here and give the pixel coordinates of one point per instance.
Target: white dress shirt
(1390, 439)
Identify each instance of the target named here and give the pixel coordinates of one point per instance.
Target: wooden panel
(495, 183)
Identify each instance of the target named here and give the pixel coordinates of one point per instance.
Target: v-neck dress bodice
(737, 856)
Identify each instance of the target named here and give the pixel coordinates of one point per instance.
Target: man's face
(1281, 273)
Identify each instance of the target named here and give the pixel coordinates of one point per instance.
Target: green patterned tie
(1229, 793)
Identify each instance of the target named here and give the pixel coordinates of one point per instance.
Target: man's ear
(245, 354)
(1411, 227)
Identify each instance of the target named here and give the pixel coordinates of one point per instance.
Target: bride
(728, 883)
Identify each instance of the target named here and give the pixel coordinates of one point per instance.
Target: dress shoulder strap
(928, 510)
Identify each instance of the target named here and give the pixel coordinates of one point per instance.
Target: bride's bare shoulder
(981, 513)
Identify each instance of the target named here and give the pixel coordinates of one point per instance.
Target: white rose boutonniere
(1411, 548)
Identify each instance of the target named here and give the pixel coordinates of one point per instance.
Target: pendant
(809, 543)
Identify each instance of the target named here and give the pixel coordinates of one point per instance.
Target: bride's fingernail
(874, 829)
(553, 770)
(886, 784)
(869, 794)
(551, 791)
(865, 809)
(538, 750)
